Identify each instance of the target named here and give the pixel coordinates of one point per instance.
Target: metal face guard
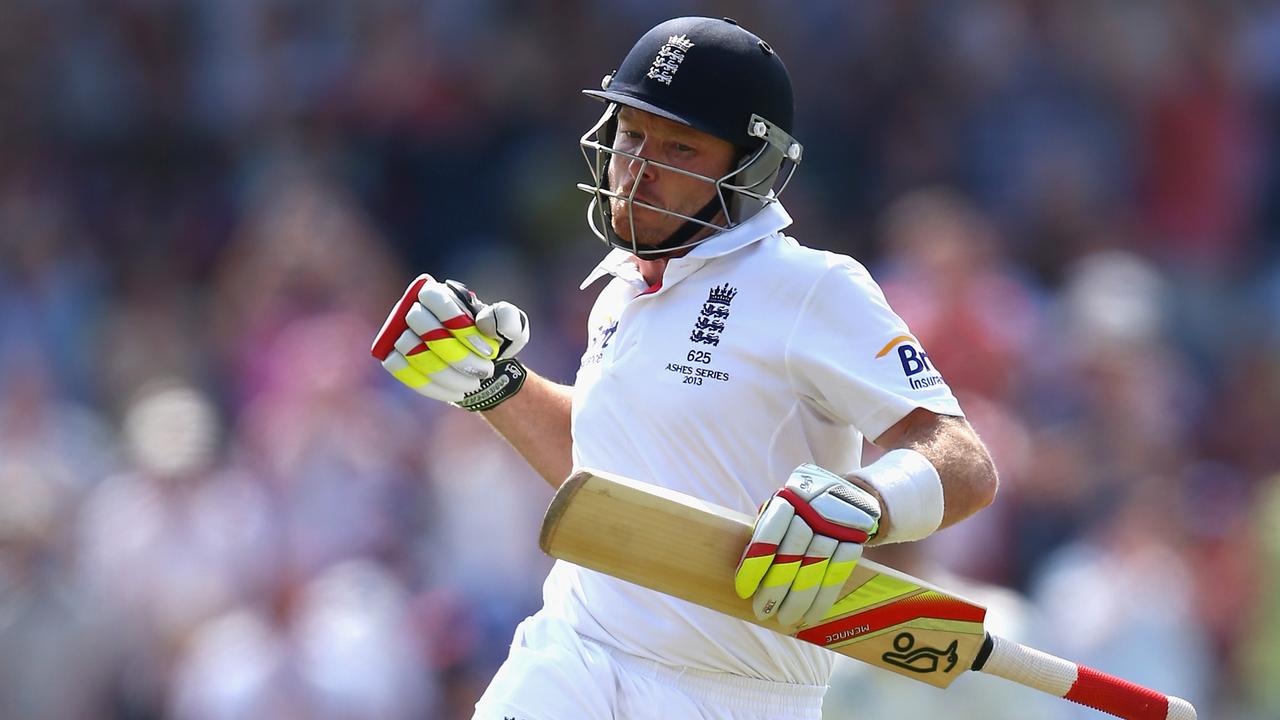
(750, 185)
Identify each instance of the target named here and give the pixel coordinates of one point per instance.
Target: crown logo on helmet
(668, 59)
(680, 42)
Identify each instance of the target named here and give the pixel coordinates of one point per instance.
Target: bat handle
(1077, 683)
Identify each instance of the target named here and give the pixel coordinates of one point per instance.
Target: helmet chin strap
(688, 229)
(685, 232)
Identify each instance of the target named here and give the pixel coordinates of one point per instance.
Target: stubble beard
(651, 227)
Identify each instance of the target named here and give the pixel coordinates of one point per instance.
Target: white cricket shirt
(753, 355)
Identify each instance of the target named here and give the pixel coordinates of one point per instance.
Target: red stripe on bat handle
(1119, 697)
(1084, 685)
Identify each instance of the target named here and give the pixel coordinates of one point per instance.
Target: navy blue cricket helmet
(716, 77)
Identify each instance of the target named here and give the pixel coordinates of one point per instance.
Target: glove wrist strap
(910, 492)
(508, 378)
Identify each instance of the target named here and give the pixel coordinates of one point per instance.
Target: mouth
(639, 198)
(640, 215)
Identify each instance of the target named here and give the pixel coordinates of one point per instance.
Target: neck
(651, 270)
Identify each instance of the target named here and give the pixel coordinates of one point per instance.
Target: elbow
(984, 480)
(992, 485)
(988, 480)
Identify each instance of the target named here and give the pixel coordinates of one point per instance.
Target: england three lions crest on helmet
(668, 60)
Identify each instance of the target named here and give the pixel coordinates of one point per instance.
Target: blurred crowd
(215, 505)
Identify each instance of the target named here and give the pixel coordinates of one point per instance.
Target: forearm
(963, 465)
(535, 421)
(968, 474)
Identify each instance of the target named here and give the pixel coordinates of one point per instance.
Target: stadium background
(214, 504)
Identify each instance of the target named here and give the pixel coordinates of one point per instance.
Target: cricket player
(725, 360)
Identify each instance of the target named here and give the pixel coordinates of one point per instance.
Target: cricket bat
(684, 547)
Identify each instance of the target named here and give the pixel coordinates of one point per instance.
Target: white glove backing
(442, 341)
(806, 542)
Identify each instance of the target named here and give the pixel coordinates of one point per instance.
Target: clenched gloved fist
(806, 542)
(443, 342)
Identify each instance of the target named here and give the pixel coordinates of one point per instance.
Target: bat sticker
(919, 660)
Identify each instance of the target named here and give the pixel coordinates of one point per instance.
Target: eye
(684, 148)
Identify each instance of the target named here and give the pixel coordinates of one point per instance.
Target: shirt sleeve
(852, 356)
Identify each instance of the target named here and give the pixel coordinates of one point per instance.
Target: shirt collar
(772, 218)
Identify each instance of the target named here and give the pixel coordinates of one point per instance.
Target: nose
(641, 169)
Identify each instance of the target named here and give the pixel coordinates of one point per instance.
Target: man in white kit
(724, 360)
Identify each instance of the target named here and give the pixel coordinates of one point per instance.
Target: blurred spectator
(1120, 599)
(172, 540)
(49, 625)
(1258, 661)
(946, 275)
(1109, 401)
(49, 628)
(341, 654)
(50, 282)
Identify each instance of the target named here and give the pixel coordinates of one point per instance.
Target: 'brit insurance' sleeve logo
(916, 367)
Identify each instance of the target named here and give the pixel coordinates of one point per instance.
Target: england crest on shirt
(711, 318)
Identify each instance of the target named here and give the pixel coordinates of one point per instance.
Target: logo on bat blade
(923, 659)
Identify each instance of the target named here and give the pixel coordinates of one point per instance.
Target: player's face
(661, 140)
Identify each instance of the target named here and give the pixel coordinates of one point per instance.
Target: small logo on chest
(711, 318)
(599, 341)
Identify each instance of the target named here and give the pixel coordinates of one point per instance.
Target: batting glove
(806, 541)
(446, 344)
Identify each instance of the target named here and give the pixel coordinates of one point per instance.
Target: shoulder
(826, 277)
(780, 259)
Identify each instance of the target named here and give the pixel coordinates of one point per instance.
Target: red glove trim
(819, 524)
(760, 549)
(395, 325)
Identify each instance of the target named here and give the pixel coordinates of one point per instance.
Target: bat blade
(687, 548)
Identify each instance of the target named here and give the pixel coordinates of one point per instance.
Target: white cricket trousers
(553, 673)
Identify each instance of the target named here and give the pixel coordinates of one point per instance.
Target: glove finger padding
(839, 568)
(804, 546)
(446, 345)
(434, 369)
(771, 525)
(395, 324)
(457, 317)
(398, 366)
(786, 564)
(808, 581)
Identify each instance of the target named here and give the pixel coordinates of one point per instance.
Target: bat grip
(1077, 683)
